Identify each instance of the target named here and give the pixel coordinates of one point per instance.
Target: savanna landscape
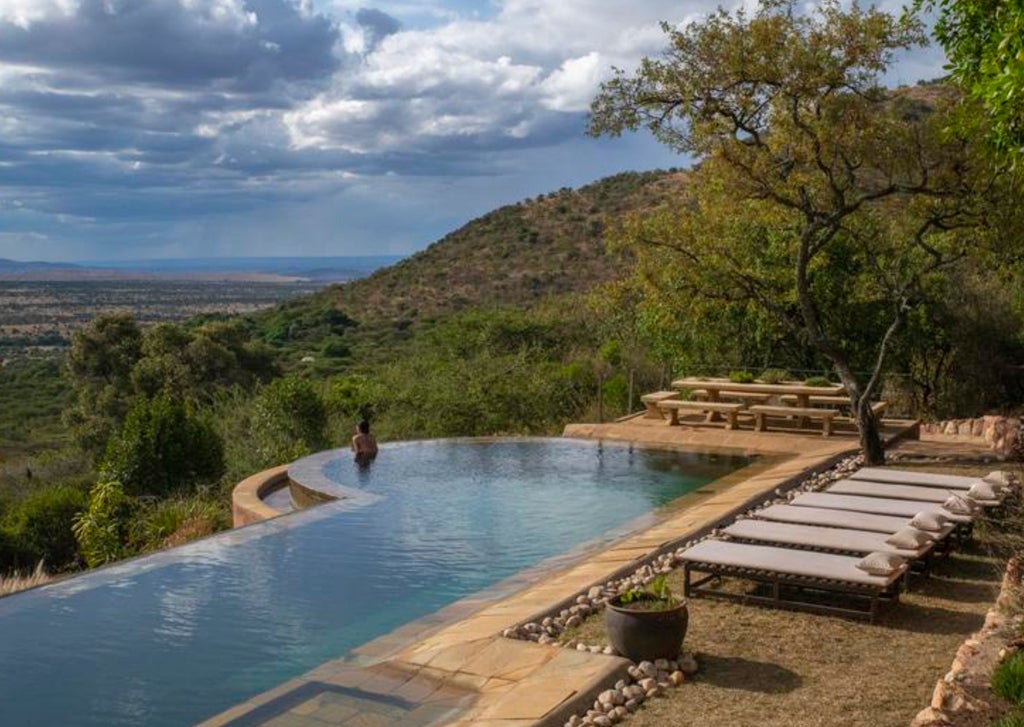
(822, 227)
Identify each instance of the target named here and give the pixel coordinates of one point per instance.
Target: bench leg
(653, 412)
(673, 418)
(759, 421)
(730, 421)
(826, 427)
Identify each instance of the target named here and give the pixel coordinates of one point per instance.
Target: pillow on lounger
(930, 521)
(1000, 478)
(983, 491)
(880, 564)
(960, 505)
(908, 538)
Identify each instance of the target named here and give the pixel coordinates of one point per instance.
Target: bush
(166, 523)
(775, 376)
(290, 420)
(817, 381)
(40, 527)
(741, 377)
(102, 530)
(1013, 719)
(163, 448)
(1008, 679)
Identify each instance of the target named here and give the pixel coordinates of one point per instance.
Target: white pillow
(960, 505)
(982, 490)
(880, 564)
(1000, 478)
(908, 538)
(930, 521)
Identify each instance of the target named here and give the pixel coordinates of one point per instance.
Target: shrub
(774, 376)
(741, 377)
(290, 419)
(174, 521)
(817, 381)
(102, 530)
(1013, 719)
(1008, 679)
(163, 447)
(41, 527)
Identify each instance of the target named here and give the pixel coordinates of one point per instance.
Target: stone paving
(454, 668)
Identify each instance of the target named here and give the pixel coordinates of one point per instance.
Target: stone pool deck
(454, 667)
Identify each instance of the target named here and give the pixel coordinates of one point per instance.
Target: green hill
(517, 254)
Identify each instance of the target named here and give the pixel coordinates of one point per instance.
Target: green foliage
(39, 527)
(112, 365)
(1008, 679)
(655, 596)
(290, 420)
(984, 42)
(741, 377)
(817, 381)
(775, 376)
(162, 448)
(1013, 719)
(102, 529)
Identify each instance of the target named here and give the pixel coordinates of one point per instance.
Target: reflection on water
(174, 638)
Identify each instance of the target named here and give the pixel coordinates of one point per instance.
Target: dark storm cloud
(172, 44)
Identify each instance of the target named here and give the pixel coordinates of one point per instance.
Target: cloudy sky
(170, 128)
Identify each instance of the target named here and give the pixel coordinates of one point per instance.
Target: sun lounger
(899, 492)
(876, 505)
(924, 479)
(839, 540)
(826, 517)
(789, 574)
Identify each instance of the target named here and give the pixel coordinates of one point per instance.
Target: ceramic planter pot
(642, 635)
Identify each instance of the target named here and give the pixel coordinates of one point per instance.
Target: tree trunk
(629, 407)
(870, 436)
(867, 423)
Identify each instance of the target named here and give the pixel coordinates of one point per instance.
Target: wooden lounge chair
(789, 574)
(900, 492)
(673, 406)
(837, 540)
(926, 479)
(850, 519)
(875, 505)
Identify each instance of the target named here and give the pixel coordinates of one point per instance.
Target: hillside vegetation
(515, 255)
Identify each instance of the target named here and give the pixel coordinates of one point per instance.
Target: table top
(692, 382)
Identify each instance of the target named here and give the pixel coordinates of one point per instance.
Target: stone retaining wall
(1004, 435)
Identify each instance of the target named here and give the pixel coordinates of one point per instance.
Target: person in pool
(364, 444)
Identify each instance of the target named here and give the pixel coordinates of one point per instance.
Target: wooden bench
(878, 407)
(825, 415)
(651, 403)
(673, 406)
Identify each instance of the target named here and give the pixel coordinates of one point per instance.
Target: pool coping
(524, 684)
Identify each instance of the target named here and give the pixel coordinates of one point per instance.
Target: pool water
(179, 636)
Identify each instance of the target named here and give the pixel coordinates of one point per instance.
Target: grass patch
(1008, 679)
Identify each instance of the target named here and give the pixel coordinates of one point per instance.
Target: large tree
(820, 199)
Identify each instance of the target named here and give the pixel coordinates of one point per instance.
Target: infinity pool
(176, 637)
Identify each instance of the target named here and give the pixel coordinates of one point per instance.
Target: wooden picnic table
(802, 392)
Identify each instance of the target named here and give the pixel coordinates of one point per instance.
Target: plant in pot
(647, 623)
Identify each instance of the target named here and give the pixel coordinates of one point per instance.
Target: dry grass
(17, 582)
(763, 667)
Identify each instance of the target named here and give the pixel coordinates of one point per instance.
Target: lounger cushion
(880, 564)
(983, 491)
(908, 538)
(930, 521)
(960, 505)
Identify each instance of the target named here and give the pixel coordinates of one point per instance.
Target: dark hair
(364, 427)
